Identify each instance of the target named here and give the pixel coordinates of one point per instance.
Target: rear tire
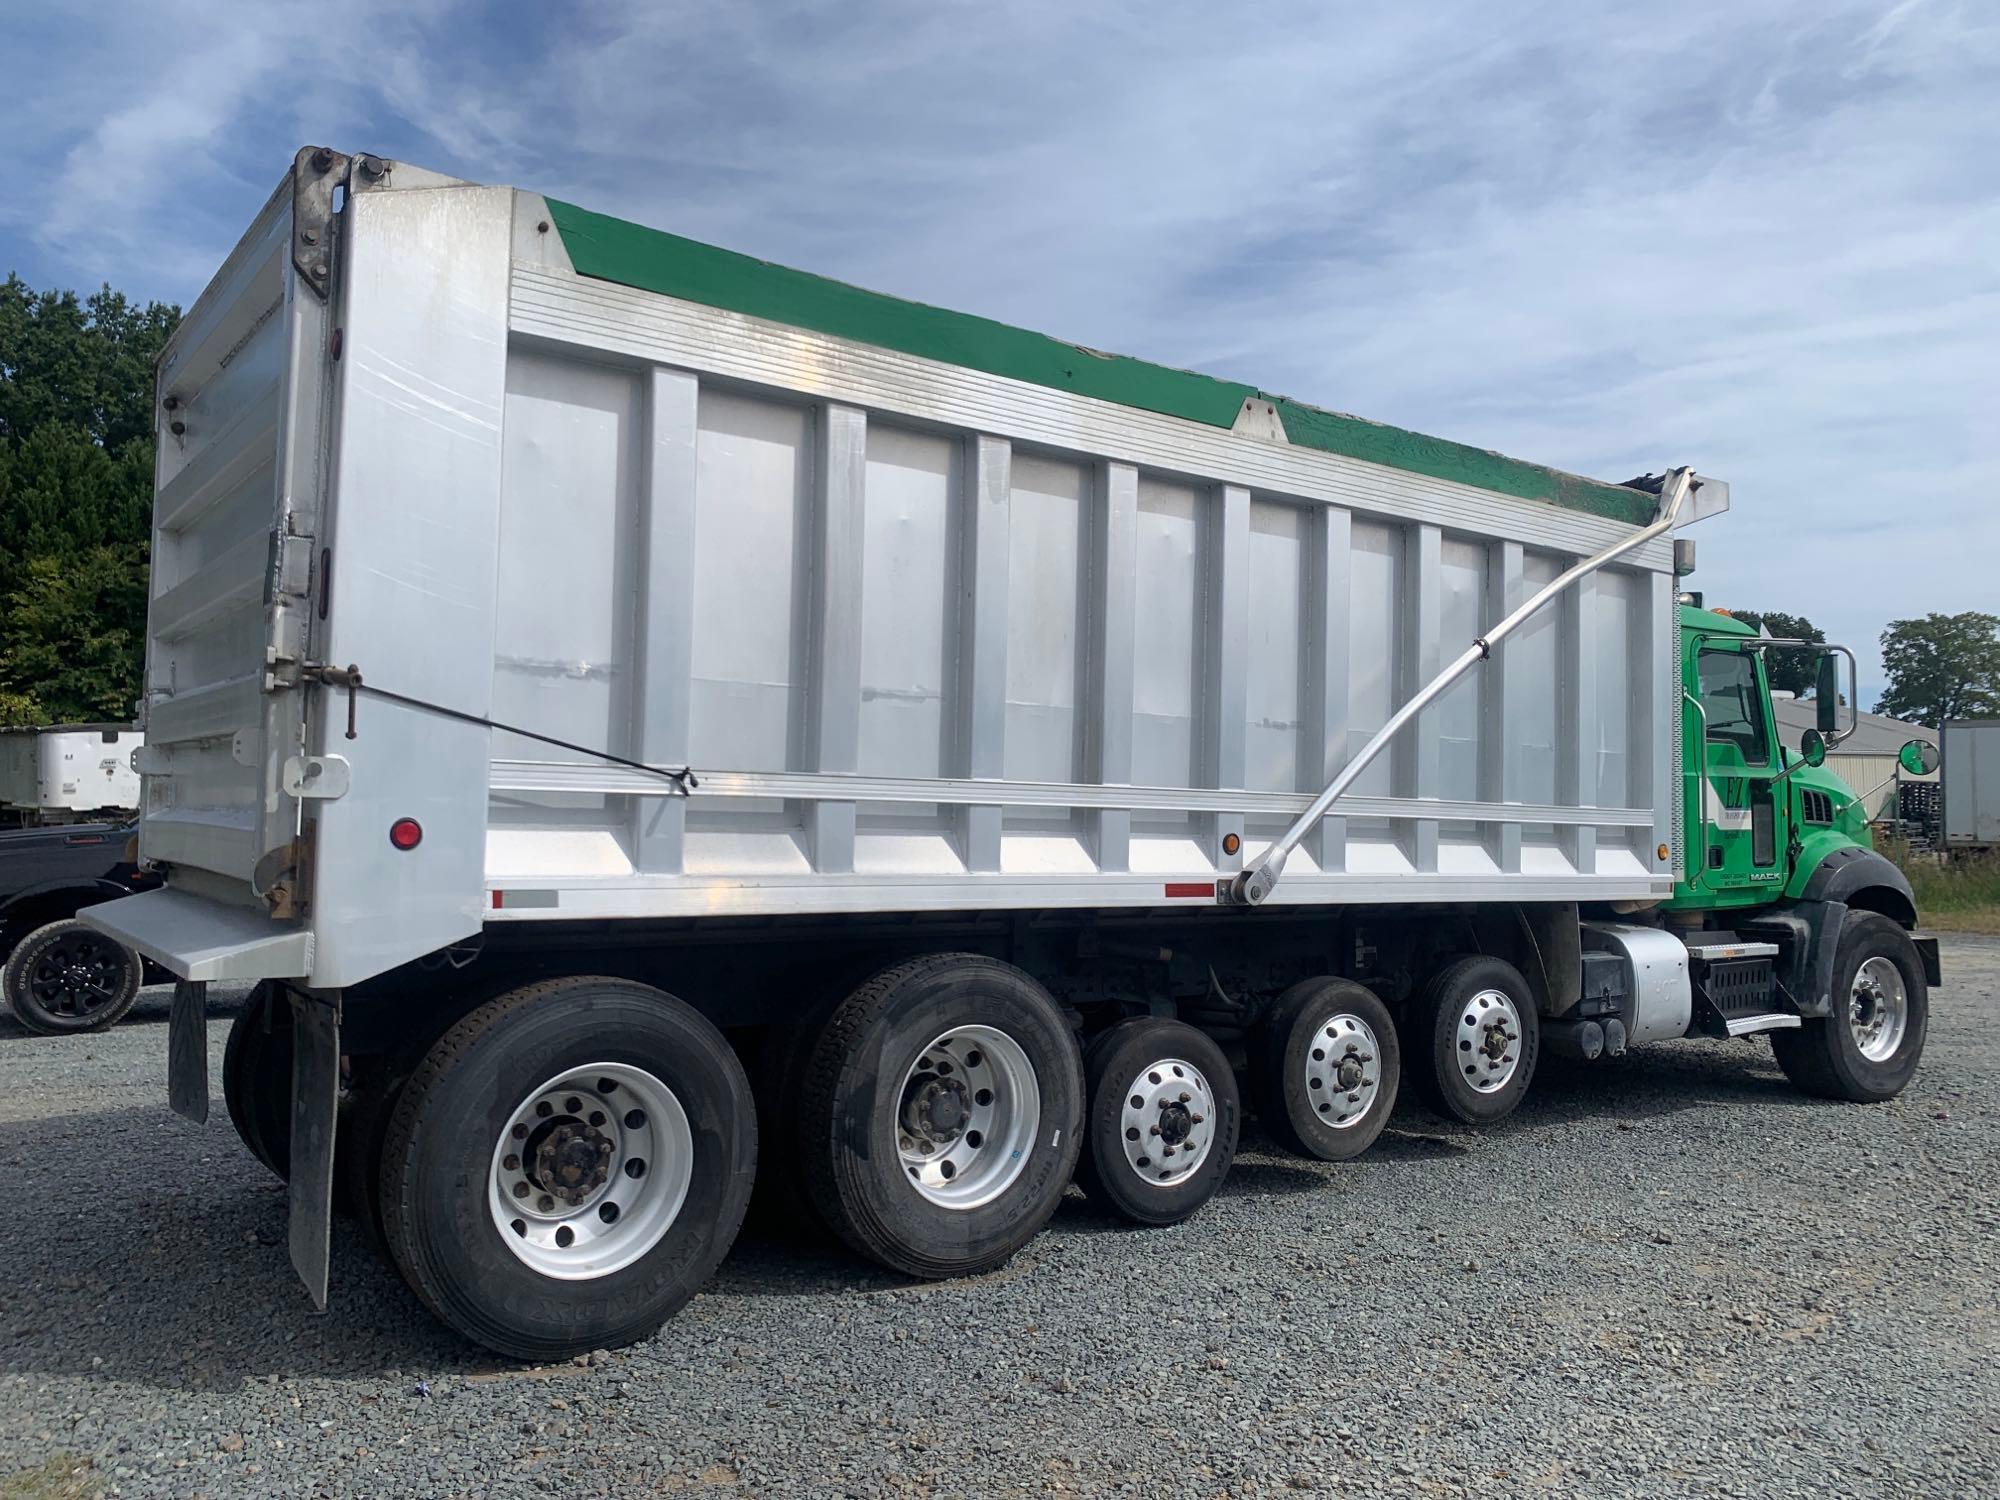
(257, 1077)
(650, 1138)
(784, 1058)
(359, 1135)
(1473, 1040)
(66, 977)
(1161, 1132)
(1321, 1033)
(1868, 1049)
(940, 1118)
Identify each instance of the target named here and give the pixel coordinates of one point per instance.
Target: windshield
(1735, 708)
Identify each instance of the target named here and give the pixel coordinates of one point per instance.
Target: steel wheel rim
(1878, 1009)
(578, 1193)
(1489, 1041)
(1167, 1122)
(1343, 1071)
(966, 1117)
(77, 974)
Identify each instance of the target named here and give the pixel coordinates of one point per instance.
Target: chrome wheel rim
(966, 1117)
(590, 1171)
(1343, 1071)
(1167, 1122)
(1489, 1041)
(1878, 1009)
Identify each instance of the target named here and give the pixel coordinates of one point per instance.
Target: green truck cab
(1794, 924)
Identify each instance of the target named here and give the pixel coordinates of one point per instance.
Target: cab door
(1742, 814)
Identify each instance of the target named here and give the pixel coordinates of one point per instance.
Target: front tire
(67, 977)
(1868, 1049)
(567, 1166)
(940, 1118)
(1161, 1133)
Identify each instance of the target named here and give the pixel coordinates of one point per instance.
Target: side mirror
(1918, 757)
(1826, 694)
(1812, 745)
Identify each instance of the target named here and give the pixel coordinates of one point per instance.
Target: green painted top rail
(610, 249)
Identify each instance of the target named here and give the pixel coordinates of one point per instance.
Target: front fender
(85, 891)
(1858, 877)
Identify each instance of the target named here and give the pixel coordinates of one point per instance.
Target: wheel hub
(967, 1116)
(1343, 1070)
(1168, 1122)
(935, 1110)
(1878, 1009)
(1489, 1041)
(569, 1159)
(591, 1170)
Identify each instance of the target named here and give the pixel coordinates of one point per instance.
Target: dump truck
(657, 724)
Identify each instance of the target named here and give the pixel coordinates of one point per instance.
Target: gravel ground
(1666, 1275)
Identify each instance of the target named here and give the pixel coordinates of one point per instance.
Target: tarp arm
(1252, 887)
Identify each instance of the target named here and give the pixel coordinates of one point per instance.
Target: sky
(1760, 238)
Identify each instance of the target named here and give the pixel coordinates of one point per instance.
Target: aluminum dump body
(944, 615)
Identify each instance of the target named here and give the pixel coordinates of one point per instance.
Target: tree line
(76, 495)
(76, 489)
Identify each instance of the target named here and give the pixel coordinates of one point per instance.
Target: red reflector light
(1177, 890)
(406, 833)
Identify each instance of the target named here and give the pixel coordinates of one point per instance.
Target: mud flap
(187, 1051)
(315, 1106)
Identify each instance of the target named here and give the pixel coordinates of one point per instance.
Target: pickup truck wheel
(1324, 1069)
(65, 977)
(940, 1116)
(567, 1166)
(1474, 1039)
(1161, 1132)
(1868, 1049)
(257, 1077)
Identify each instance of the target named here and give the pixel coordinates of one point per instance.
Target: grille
(1815, 807)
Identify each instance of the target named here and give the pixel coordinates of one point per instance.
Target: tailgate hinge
(317, 174)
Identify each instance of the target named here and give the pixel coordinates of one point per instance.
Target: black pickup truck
(59, 975)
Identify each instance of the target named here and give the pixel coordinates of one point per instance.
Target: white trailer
(58, 773)
(1971, 775)
(1010, 674)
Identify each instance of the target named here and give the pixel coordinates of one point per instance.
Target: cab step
(1776, 1020)
(1735, 981)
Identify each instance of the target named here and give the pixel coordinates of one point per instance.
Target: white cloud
(1756, 239)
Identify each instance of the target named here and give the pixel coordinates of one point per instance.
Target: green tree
(73, 633)
(1788, 671)
(82, 363)
(76, 482)
(1942, 667)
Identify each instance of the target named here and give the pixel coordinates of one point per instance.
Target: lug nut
(546, 1204)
